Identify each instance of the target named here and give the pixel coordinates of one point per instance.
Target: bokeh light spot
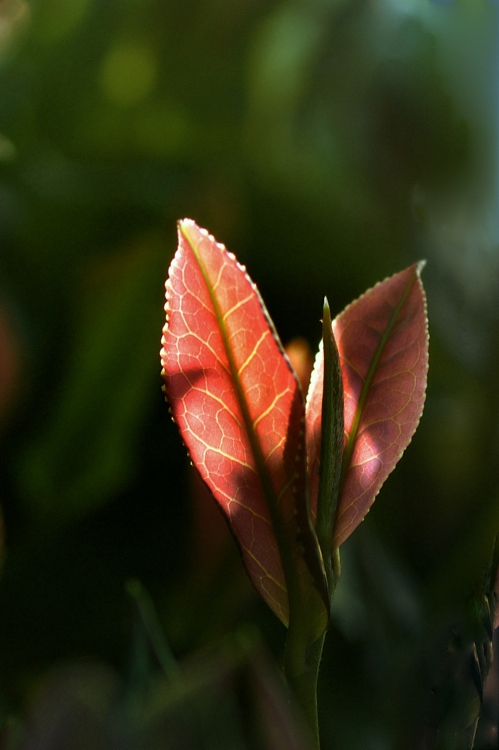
(128, 73)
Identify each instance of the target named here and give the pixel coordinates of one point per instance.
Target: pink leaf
(382, 340)
(233, 395)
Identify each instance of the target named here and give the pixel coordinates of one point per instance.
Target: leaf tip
(185, 227)
(184, 223)
(420, 266)
(326, 318)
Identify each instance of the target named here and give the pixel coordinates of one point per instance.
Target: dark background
(328, 143)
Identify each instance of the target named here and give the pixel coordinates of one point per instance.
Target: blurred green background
(328, 143)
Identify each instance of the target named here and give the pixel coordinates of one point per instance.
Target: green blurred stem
(472, 733)
(153, 628)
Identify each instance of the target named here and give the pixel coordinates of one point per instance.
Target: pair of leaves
(241, 412)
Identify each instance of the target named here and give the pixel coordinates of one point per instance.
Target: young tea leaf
(382, 340)
(331, 456)
(236, 400)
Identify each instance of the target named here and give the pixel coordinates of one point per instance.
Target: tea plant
(294, 477)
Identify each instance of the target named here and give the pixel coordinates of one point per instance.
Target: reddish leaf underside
(232, 393)
(382, 340)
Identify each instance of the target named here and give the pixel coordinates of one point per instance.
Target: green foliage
(84, 455)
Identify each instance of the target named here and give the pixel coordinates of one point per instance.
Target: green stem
(472, 733)
(153, 628)
(301, 667)
(302, 658)
(302, 662)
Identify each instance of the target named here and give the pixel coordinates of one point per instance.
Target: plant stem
(301, 667)
(302, 660)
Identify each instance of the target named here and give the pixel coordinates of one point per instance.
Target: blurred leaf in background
(86, 452)
(232, 697)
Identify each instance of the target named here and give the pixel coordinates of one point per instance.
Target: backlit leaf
(382, 340)
(235, 398)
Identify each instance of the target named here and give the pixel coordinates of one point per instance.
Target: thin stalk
(302, 659)
(473, 734)
(301, 667)
(153, 628)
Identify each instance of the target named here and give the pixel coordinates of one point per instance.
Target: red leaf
(233, 394)
(382, 340)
